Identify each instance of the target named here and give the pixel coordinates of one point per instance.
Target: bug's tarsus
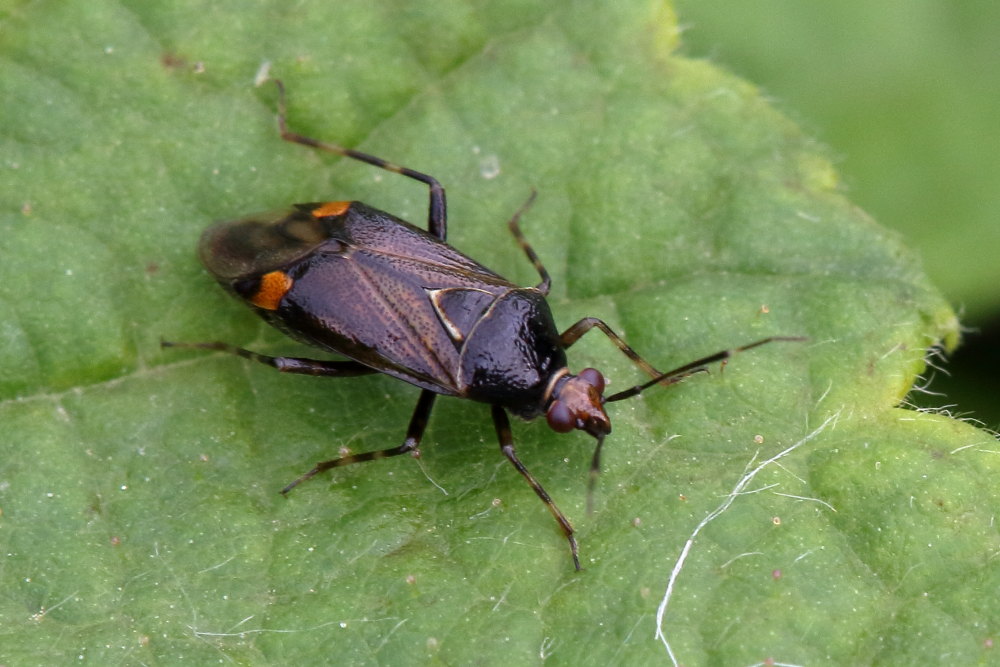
(506, 438)
(414, 433)
(696, 366)
(437, 210)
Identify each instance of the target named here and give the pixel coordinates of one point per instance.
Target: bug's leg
(515, 229)
(696, 366)
(502, 424)
(575, 332)
(297, 365)
(437, 215)
(414, 432)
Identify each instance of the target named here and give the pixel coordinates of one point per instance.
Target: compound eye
(593, 377)
(560, 418)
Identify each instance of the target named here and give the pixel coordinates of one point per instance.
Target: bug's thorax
(577, 401)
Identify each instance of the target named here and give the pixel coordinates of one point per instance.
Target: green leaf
(141, 521)
(906, 94)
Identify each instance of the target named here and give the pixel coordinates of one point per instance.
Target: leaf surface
(141, 521)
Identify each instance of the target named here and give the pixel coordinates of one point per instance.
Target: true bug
(394, 299)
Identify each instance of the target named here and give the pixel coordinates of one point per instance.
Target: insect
(395, 299)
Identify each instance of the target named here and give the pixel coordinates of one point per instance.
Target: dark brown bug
(394, 299)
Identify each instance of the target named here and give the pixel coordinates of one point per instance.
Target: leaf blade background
(141, 520)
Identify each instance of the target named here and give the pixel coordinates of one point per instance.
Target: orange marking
(273, 288)
(331, 208)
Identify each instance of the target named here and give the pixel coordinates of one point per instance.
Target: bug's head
(578, 402)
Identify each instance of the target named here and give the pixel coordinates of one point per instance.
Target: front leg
(502, 424)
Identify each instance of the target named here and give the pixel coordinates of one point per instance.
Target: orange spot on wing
(273, 288)
(331, 208)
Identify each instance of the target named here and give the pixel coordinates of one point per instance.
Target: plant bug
(395, 299)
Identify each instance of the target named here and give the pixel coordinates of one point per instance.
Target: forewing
(380, 233)
(376, 307)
